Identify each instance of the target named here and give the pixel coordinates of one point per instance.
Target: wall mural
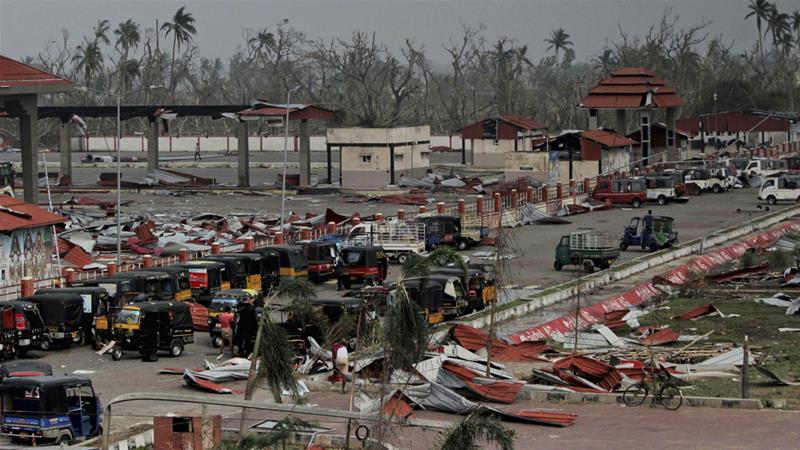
(26, 253)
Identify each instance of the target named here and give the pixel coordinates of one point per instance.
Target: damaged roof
(608, 138)
(632, 88)
(16, 214)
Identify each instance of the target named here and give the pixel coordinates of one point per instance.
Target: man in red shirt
(226, 325)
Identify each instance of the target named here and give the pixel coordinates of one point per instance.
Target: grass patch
(778, 351)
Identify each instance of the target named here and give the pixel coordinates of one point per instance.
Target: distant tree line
(370, 85)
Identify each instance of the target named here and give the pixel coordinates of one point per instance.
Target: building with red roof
(26, 240)
(635, 89)
(494, 138)
(588, 153)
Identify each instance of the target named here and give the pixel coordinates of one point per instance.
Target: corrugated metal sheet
(597, 372)
(608, 138)
(78, 257)
(523, 352)
(700, 311)
(556, 418)
(16, 214)
(473, 339)
(494, 390)
(733, 357)
(664, 336)
(733, 274)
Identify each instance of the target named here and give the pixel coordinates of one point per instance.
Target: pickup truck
(586, 249)
(763, 167)
(660, 189)
(706, 181)
(624, 191)
(398, 239)
(776, 189)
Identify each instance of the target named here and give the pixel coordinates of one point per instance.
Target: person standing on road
(341, 273)
(341, 363)
(197, 156)
(648, 227)
(226, 325)
(246, 328)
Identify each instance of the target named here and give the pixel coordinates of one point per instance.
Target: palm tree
(761, 10)
(182, 29)
(101, 32)
(128, 37)
(283, 432)
(271, 360)
(779, 27)
(89, 59)
(604, 61)
(406, 331)
(261, 42)
(558, 40)
(476, 427)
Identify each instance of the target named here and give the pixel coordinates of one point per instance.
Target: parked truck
(624, 191)
(398, 239)
(660, 189)
(706, 181)
(781, 188)
(586, 249)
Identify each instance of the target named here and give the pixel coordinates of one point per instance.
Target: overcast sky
(26, 25)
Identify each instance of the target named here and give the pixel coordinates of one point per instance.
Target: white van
(780, 188)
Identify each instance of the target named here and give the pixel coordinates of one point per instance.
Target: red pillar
(479, 204)
(183, 255)
(559, 191)
(379, 217)
(69, 275)
(279, 238)
(514, 198)
(147, 261)
(249, 244)
(356, 220)
(331, 228)
(440, 208)
(215, 250)
(544, 194)
(529, 194)
(305, 234)
(498, 202)
(423, 209)
(401, 214)
(586, 185)
(111, 268)
(26, 287)
(462, 207)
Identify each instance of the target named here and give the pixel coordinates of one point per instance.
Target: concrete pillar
(305, 234)
(29, 135)
(278, 238)
(379, 217)
(479, 205)
(249, 244)
(498, 202)
(514, 198)
(65, 153)
(423, 209)
(111, 269)
(462, 207)
(152, 146)
(622, 121)
(401, 214)
(672, 148)
(215, 249)
(356, 220)
(26, 287)
(147, 261)
(440, 208)
(69, 275)
(529, 194)
(183, 255)
(330, 228)
(559, 191)
(593, 119)
(243, 153)
(305, 154)
(645, 139)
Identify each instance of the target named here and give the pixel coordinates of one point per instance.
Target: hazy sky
(26, 26)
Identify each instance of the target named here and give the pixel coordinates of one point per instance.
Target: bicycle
(667, 393)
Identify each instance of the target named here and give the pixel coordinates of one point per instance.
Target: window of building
(366, 158)
(398, 157)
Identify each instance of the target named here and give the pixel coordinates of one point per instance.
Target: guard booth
(187, 432)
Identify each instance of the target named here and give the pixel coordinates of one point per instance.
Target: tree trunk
(172, 69)
(251, 377)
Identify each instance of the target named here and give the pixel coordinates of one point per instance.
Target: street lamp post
(285, 153)
(118, 143)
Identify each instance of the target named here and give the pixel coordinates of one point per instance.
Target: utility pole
(745, 368)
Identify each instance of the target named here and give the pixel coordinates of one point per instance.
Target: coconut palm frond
(294, 289)
(280, 435)
(276, 356)
(406, 333)
(477, 427)
(420, 266)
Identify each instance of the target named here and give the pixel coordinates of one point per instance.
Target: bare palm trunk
(172, 69)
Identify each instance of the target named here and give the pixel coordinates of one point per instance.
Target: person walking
(226, 324)
(341, 363)
(341, 273)
(648, 228)
(197, 156)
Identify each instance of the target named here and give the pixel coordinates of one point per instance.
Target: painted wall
(580, 170)
(616, 159)
(26, 253)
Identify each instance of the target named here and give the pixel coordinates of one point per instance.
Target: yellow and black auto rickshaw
(152, 326)
(429, 297)
(254, 268)
(95, 301)
(321, 256)
(222, 300)
(293, 262)
(206, 278)
(63, 318)
(154, 285)
(180, 281)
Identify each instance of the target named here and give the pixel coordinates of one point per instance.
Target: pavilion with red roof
(20, 87)
(493, 137)
(636, 89)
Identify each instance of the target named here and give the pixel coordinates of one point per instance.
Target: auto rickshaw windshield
(219, 304)
(22, 400)
(129, 316)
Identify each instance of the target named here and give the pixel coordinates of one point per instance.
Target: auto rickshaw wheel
(45, 344)
(402, 258)
(117, 353)
(623, 246)
(557, 265)
(176, 348)
(64, 438)
(653, 247)
(462, 244)
(216, 341)
(78, 338)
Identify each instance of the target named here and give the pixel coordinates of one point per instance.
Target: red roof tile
(700, 311)
(473, 338)
(608, 138)
(495, 390)
(15, 73)
(78, 257)
(627, 71)
(660, 337)
(16, 214)
(522, 122)
(632, 87)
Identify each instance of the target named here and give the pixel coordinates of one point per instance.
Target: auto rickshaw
(206, 278)
(29, 328)
(663, 235)
(60, 409)
(321, 256)
(153, 285)
(25, 368)
(454, 296)
(255, 267)
(62, 315)
(293, 262)
(236, 267)
(95, 299)
(150, 327)
(180, 281)
(365, 265)
(428, 296)
(120, 290)
(480, 290)
(230, 298)
(270, 269)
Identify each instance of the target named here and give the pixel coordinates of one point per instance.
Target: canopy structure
(20, 87)
(638, 89)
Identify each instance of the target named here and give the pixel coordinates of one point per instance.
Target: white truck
(763, 167)
(399, 239)
(660, 189)
(777, 189)
(708, 182)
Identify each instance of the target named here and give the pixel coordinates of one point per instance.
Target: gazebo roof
(296, 111)
(632, 88)
(20, 78)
